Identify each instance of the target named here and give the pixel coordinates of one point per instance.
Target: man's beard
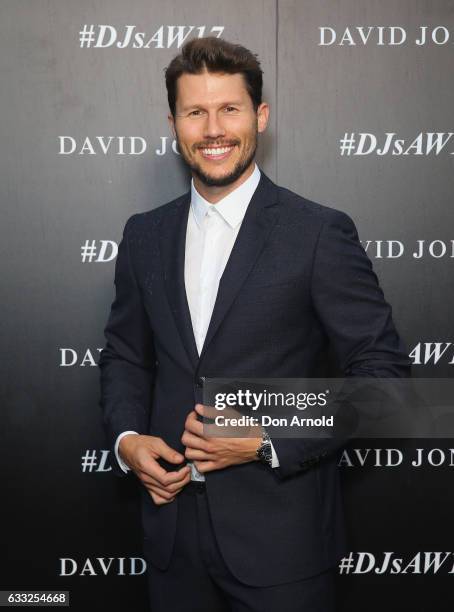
(212, 181)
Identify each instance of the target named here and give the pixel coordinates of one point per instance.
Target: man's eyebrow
(229, 103)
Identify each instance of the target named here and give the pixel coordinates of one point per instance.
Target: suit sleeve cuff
(274, 459)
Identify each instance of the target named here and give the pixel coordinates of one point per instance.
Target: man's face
(216, 126)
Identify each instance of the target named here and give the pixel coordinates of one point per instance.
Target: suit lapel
(172, 243)
(261, 215)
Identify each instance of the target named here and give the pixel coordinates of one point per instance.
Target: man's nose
(213, 127)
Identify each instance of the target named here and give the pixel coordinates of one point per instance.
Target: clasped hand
(210, 453)
(141, 453)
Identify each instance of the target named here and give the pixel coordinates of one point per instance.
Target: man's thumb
(168, 453)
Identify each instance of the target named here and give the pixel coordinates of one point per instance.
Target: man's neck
(215, 194)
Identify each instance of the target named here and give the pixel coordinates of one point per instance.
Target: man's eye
(195, 113)
(230, 108)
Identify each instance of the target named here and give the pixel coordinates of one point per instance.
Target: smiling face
(216, 127)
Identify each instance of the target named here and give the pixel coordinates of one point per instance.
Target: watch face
(265, 453)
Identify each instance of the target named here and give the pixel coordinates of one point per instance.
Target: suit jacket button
(200, 381)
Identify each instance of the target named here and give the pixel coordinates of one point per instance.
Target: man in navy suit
(237, 278)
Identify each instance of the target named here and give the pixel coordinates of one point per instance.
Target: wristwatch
(264, 450)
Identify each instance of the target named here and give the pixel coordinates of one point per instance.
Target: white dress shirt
(210, 235)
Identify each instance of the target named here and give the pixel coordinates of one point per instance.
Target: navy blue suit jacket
(297, 283)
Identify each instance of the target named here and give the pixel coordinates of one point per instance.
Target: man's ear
(171, 121)
(263, 113)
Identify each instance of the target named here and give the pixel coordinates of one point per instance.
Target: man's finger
(165, 493)
(189, 439)
(206, 466)
(197, 454)
(166, 452)
(162, 493)
(149, 480)
(158, 499)
(193, 425)
(208, 412)
(161, 475)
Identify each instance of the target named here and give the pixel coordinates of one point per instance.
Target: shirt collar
(233, 207)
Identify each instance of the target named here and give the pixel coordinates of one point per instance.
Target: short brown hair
(215, 55)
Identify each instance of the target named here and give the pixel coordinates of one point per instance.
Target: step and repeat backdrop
(362, 99)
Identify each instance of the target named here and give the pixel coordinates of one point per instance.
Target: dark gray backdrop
(68, 524)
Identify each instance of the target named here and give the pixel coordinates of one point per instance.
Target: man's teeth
(219, 151)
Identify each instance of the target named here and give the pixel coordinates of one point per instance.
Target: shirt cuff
(121, 463)
(274, 459)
